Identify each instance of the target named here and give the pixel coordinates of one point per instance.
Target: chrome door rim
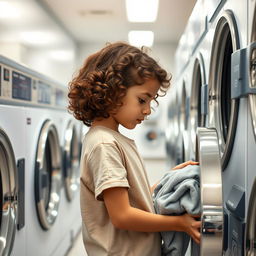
(225, 25)
(71, 161)
(198, 67)
(183, 120)
(8, 172)
(47, 214)
(208, 155)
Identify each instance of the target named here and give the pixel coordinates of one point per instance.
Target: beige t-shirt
(110, 159)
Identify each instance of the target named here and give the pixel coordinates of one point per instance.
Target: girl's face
(136, 104)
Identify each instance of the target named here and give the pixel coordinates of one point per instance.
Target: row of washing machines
(39, 164)
(212, 118)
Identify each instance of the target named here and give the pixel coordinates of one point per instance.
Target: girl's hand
(192, 226)
(180, 166)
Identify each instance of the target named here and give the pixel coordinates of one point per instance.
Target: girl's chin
(130, 127)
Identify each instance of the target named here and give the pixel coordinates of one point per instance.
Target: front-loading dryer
(228, 116)
(171, 131)
(179, 112)
(199, 89)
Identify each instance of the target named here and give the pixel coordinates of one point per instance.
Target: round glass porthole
(8, 193)
(71, 156)
(48, 175)
(223, 111)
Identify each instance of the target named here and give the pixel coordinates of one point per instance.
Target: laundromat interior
(208, 115)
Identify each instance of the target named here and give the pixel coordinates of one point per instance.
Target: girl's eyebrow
(148, 94)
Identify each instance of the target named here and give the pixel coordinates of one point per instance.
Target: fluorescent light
(141, 10)
(141, 38)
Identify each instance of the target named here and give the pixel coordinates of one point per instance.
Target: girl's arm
(123, 216)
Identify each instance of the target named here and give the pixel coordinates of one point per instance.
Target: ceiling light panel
(142, 10)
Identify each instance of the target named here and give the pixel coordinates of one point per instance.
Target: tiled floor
(78, 248)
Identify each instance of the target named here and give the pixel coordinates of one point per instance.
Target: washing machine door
(223, 110)
(8, 196)
(71, 156)
(48, 175)
(208, 155)
(250, 230)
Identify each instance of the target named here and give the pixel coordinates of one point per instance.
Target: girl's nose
(147, 110)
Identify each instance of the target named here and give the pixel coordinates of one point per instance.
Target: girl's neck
(107, 122)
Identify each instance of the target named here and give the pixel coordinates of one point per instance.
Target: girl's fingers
(197, 224)
(180, 166)
(195, 215)
(196, 237)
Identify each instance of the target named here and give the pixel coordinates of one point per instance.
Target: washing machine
(36, 95)
(70, 140)
(172, 128)
(12, 178)
(12, 167)
(59, 182)
(171, 131)
(186, 86)
(199, 85)
(228, 115)
(44, 183)
(198, 109)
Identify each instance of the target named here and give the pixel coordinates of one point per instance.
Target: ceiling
(105, 20)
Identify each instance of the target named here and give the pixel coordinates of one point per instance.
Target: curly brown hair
(102, 82)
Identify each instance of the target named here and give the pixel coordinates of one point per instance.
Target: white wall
(56, 64)
(58, 67)
(13, 50)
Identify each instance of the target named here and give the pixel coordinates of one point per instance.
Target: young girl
(115, 87)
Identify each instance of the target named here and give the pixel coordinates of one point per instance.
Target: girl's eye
(141, 101)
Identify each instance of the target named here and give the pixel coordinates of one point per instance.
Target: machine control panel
(21, 86)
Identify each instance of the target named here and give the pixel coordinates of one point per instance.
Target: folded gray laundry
(177, 192)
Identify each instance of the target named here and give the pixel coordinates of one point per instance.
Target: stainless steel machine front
(208, 155)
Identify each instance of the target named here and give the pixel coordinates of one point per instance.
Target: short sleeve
(107, 168)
